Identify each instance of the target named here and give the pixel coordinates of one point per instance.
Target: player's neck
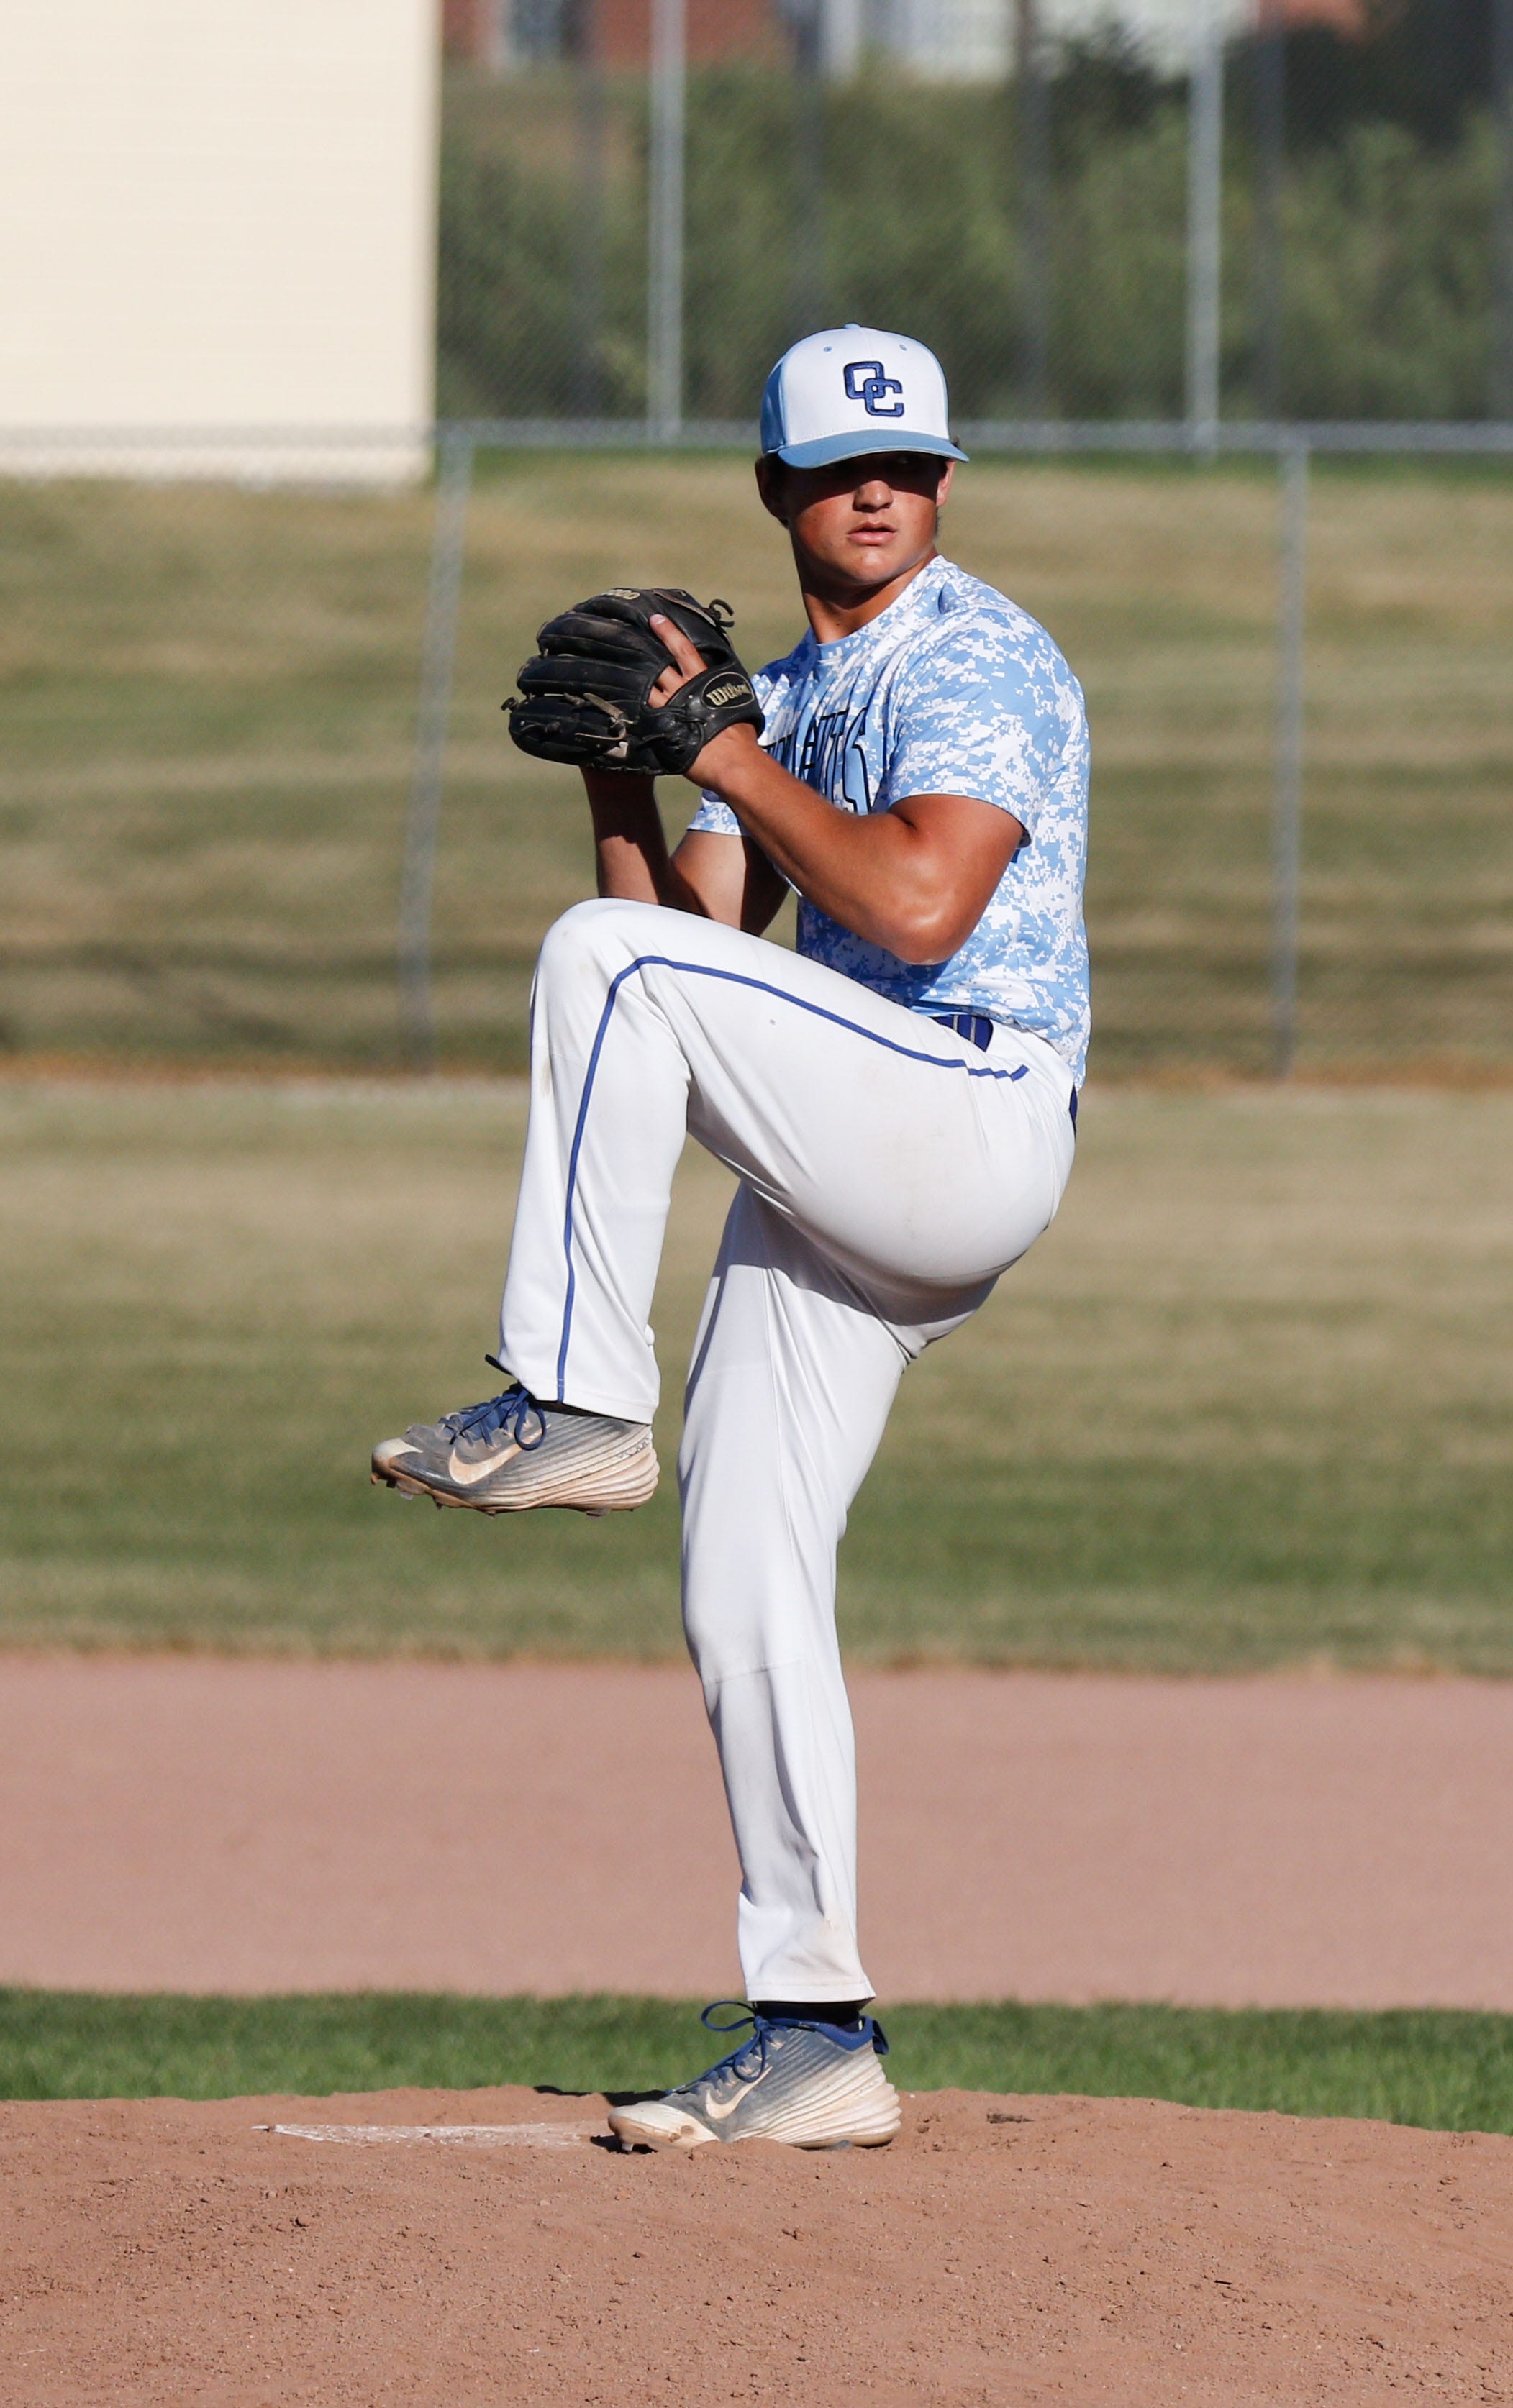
(837, 606)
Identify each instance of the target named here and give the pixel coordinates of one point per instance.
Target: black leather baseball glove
(585, 698)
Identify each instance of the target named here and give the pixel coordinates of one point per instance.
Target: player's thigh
(783, 1322)
(895, 1143)
(788, 1395)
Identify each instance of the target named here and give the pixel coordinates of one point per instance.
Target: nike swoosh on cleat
(711, 2107)
(467, 1475)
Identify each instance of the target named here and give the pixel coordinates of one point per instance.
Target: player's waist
(979, 1028)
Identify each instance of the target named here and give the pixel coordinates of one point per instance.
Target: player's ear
(942, 490)
(771, 478)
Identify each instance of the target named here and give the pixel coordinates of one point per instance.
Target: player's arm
(715, 877)
(915, 879)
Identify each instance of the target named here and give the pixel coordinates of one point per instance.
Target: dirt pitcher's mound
(1110, 2252)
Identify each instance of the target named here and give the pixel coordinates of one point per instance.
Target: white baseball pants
(889, 1172)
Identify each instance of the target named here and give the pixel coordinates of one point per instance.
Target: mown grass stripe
(1438, 2068)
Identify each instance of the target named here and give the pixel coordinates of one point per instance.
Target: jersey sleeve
(984, 709)
(714, 818)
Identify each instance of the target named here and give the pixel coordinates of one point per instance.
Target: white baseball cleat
(513, 1453)
(816, 2085)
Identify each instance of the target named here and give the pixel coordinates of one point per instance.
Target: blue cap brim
(828, 448)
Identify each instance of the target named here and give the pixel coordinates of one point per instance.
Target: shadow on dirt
(614, 2097)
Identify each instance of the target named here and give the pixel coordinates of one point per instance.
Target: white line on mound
(467, 2136)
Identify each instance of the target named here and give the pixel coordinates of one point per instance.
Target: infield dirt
(1019, 2250)
(495, 1829)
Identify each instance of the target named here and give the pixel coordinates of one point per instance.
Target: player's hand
(704, 768)
(688, 658)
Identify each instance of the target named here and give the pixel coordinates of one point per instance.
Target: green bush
(1389, 290)
(1387, 307)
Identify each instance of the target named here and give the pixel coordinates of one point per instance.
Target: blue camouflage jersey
(952, 690)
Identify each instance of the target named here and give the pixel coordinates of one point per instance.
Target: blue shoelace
(762, 2027)
(510, 1411)
(754, 2048)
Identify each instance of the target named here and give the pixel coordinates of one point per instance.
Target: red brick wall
(463, 28)
(716, 29)
(753, 28)
(1345, 16)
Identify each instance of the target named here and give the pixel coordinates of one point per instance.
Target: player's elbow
(929, 929)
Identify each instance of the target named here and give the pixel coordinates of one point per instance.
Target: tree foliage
(1387, 198)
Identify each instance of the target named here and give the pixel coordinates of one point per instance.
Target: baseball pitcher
(897, 1101)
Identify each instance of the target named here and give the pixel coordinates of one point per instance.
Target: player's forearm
(876, 875)
(630, 845)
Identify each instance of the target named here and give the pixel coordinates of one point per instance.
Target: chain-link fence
(216, 813)
(1205, 212)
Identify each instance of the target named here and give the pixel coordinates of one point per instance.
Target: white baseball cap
(854, 388)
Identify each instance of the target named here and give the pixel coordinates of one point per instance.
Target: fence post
(664, 223)
(1205, 163)
(1032, 135)
(453, 477)
(807, 28)
(589, 132)
(1286, 792)
(1270, 130)
(1501, 396)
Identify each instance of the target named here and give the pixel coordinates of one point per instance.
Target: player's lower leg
(513, 1453)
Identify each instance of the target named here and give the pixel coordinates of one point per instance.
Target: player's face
(862, 523)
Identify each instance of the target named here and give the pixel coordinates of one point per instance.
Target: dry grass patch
(1246, 1403)
(209, 701)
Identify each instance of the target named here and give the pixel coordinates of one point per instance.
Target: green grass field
(1245, 1405)
(1447, 2070)
(207, 698)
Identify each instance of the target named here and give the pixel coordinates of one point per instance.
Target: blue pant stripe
(732, 978)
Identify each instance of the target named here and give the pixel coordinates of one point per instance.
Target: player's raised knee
(600, 930)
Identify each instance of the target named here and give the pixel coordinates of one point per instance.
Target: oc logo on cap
(865, 382)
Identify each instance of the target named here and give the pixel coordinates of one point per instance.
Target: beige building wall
(218, 215)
